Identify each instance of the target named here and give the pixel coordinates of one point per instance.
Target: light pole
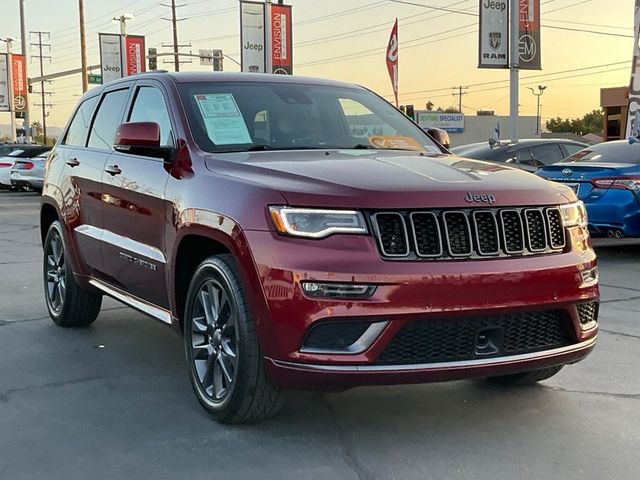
(23, 38)
(123, 19)
(12, 106)
(541, 89)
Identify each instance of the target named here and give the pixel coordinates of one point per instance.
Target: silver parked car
(28, 173)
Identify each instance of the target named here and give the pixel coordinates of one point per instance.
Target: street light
(541, 89)
(123, 19)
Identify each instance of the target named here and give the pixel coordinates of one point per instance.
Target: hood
(387, 179)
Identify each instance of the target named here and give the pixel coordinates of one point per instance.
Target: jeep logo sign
(494, 33)
(480, 198)
(253, 37)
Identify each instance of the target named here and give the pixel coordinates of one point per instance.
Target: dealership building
(614, 103)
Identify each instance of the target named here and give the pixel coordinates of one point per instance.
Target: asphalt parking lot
(114, 402)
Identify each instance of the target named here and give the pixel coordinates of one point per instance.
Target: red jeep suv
(303, 233)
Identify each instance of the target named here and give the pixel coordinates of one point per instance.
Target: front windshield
(245, 116)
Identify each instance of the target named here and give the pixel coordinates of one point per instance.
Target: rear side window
(572, 149)
(547, 154)
(77, 133)
(149, 106)
(108, 119)
(525, 158)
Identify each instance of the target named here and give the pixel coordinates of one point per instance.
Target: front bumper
(406, 292)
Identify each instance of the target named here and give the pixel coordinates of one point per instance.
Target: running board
(140, 305)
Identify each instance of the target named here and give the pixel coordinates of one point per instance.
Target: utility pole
(12, 106)
(83, 48)
(23, 38)
(459, 94)
(514, 73)
(123, 19)
(174, 21)
(43, 93)
(541, 89)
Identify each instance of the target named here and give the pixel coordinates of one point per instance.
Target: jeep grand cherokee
(303, 233)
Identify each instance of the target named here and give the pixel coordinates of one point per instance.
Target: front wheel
(221, 347)
(526, 378)
(68, 304)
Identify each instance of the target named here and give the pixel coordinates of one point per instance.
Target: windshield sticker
(222, 119)
(395, 142)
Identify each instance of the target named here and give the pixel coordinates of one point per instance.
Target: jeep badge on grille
(480, 198)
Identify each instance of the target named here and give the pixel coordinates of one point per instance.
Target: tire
(526, 378)
(68, 304)
(224, 358)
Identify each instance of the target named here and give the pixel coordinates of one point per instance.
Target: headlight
(574, 215)
(314, 223)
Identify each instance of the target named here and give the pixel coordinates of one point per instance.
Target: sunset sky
(346, 40)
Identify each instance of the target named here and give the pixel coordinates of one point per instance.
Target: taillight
(5, 165)
(24, 166)
(620, 183)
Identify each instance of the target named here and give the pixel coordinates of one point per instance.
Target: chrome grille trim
(544, 225)
(378, 235)
(475, 226)
(510, 225)
(415, 236)
(448, 237)
(504, 232)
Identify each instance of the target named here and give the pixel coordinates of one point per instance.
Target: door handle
(73, 162)
(113, 170)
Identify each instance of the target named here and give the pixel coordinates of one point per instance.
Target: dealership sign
(392, 59)
(19, 80)
(494, 34)
(281, 40)
(121, 56)
(450, 122)
(529, 35)
(4, 84)
(253, 37)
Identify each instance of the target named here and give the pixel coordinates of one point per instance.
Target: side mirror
(440, 136)
(141, 138)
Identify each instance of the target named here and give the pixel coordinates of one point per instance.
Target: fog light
(589, 277)
(337, 290)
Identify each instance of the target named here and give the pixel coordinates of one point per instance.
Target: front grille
(588, 313)
(468, 233)
(457, 339)
(334, 335)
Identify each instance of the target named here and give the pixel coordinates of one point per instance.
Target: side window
(547, 154)
(149, 106)
(107, 119)
(77, 133)
(362, 122)
(525, 158)
(572, 149)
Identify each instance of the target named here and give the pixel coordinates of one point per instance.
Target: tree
(590, 123)
(430, 105)
(38, 127)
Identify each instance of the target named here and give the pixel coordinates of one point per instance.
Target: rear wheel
(68, 304)
(526, 378)
(221, 346)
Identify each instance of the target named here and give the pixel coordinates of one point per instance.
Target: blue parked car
(606, 177)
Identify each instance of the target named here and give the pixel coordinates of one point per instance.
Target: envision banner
(253, 38)
(4, 84)
(19, 79)
(529, 35)
(634, 85)
(281, 39)
(493, 51)
(134, 60)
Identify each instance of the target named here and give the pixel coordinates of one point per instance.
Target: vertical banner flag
(493, 45)
(19, 77)
(392, 59)
(110, 56)
(4, 84)
(253, 37)
(632, 129)
(281, 39)
(529, 35)
(133, 58)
